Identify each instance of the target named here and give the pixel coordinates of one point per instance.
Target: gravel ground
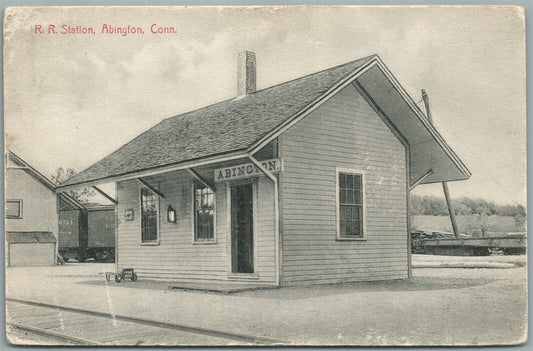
(439, 306)
(497, 261)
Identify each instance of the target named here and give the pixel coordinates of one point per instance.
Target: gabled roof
(30, 170)
(26, 167)
(242, 125)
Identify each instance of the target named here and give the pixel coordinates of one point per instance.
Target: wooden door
(242, 229)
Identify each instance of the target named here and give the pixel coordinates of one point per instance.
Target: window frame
(338, 171)
(157, 240)
(20, 203)
(195, 239)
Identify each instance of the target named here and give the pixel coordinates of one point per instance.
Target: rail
(501, 242)
(164, 325)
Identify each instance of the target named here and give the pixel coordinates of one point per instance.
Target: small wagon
(127, 273)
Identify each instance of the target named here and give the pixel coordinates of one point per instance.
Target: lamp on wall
(128, 214)
(171, 214)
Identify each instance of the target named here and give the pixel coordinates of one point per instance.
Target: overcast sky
(72, 100)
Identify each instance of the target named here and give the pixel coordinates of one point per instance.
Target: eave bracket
(104, 194)
(154, 190)
(421, 179)
(201, 179)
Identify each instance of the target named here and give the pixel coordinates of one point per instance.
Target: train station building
(304, 182)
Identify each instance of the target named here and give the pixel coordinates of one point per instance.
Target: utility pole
(425, 97)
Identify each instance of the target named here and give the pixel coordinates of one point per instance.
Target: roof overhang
(428, 150)
(71, 201)
(158, 170)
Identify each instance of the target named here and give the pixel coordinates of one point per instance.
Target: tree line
(463, 206)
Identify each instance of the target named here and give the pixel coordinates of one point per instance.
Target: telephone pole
(425, 97)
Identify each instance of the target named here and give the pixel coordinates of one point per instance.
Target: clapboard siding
(265, 262)
(344, 132)
(176, 257)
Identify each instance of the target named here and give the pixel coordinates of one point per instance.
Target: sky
(70, 100)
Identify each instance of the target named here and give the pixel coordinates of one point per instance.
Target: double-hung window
(350, 205)
(149, 216)
(204, 213)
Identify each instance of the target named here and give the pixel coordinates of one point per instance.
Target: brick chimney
(246, 73)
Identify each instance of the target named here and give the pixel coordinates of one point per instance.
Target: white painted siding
(266, 247)
(177, 258)
(344, 132)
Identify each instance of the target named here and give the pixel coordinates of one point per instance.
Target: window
(149, 215)
(204, 213)
(13, 208)
(350, 202)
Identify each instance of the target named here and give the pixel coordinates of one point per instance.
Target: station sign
(247, 170)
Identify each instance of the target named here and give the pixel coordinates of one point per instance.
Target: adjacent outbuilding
(31, 214)
(304, 182)
(31, 249)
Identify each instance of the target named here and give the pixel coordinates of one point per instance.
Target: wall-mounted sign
(247, 170)
(128, 214)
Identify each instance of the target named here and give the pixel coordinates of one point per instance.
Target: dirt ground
(438, 306)
(20, 336)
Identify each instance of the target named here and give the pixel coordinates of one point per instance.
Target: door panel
(242, 241)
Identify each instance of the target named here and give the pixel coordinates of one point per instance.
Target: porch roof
(242, 125)
(30, 237)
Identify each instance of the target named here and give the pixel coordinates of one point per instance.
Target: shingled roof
(224, 127)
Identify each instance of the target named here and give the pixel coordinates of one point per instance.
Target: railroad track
(85, 327)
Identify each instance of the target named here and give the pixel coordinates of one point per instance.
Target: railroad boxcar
(73, 234)
(101, 233)
(87, 233)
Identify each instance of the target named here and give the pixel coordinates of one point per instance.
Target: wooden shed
(27, 249)
(304, 182)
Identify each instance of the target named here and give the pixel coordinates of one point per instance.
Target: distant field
(496, 225)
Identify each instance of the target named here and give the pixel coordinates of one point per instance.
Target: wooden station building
(304, 182)
(31, 214)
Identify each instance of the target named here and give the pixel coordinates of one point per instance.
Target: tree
(61, 176)
(475, 212)
(519, 216)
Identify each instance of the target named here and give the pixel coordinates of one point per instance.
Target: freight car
(439, 243)
(87, 233)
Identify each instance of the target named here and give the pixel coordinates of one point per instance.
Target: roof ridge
(317, 72)
(183, 114)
